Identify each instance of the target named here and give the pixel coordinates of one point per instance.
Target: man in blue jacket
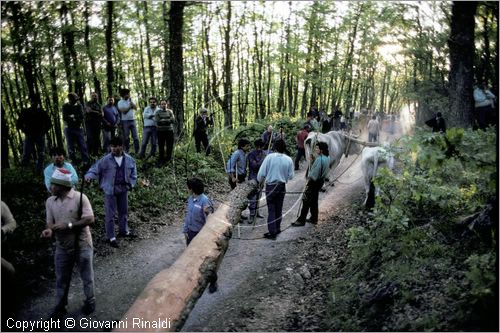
(117, 174)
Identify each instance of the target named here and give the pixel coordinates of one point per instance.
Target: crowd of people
(89, 127)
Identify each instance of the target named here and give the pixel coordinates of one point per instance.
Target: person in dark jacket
(93, 120)
(165, 120)
(34, 122)
(437, 123)
(73, 119)
(201, 124)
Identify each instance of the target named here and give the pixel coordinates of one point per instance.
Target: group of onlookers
(90, 127)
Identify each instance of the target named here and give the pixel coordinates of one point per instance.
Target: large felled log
(165, 303)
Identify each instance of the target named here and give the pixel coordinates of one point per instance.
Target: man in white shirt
(484, 103)
(127, 111)
(277, 169)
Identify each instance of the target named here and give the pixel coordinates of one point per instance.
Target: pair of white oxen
(373, 156)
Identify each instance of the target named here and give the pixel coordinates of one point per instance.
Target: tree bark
(227, 100)
(148, 51)
(461, 77)
(165, 83)
(109, 48)
(90, 54)
(5, 141)
(176, 19)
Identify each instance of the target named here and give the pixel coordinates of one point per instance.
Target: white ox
(338, 143)
(373, 158)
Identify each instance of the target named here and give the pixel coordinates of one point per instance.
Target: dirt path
(258, 278)
(121, 275)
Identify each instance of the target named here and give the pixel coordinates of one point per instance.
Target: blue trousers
(106, 137)
(275, 195)
(372, 137)
(113, 203)
(190, 236)
(253, 199)
(65, 260)
(75, 135)
(148, 133)
(130, 127)
(34, 145)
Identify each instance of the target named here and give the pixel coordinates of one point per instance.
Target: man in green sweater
(165, 120)
(315, 179)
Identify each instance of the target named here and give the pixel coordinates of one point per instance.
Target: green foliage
(481, 274)
(437, 276)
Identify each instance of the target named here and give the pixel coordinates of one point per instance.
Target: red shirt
(301, 137)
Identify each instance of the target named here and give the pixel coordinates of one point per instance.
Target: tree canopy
(243, 60)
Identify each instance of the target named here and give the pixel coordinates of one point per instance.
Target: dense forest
(246, 60)
(425, 258)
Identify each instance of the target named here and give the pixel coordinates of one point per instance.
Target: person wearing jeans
(127, 110)
(277, 169)
(117, 174)
(69, 215)
(149, 130)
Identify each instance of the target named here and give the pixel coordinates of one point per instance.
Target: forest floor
(281, 285)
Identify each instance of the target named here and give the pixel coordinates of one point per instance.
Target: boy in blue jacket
(199, 206)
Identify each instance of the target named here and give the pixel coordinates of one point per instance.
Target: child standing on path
(199, 206)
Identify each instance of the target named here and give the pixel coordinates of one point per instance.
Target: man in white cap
(69, 215)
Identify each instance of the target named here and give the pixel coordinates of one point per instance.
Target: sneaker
(114, 244)
(88, 308)
(58, 313)
(213, 287)
(298, 223)
(270, 236)
(311, 221)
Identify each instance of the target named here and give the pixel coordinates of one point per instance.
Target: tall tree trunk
(176, 61)
(165, 83)
(22, 22)
(90, 54)
(148, 51)
(142, 72)
(109, 48)
(382, 92)
(461, 44)
(79, 84)
(227, 100)
(5, 141)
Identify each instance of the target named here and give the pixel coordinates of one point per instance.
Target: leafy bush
(412, 267)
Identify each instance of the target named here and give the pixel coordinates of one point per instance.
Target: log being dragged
(167, 300)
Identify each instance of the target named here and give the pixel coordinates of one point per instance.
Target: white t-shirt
(119, 160)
